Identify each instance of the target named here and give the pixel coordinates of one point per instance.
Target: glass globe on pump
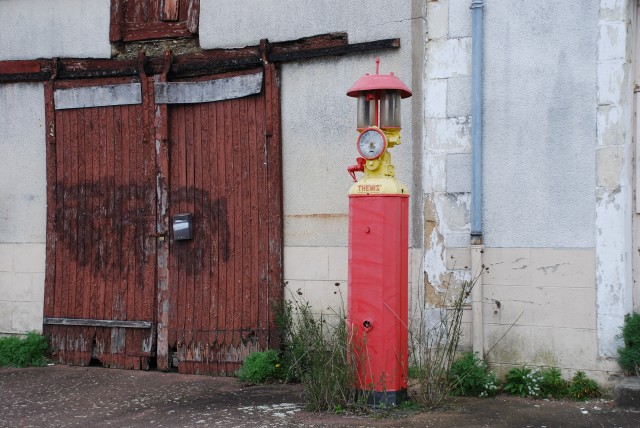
(378, 122)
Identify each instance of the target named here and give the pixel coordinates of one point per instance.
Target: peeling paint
(614, 174)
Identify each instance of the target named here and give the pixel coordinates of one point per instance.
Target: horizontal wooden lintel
(83, 322)
(207, 62)
(347, 49)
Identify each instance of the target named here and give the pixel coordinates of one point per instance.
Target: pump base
(377, 399)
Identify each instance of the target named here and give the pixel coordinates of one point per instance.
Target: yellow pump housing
(379, 174)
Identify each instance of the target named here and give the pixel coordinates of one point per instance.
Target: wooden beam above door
(206, 62)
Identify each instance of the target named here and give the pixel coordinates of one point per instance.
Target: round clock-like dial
(371, 143)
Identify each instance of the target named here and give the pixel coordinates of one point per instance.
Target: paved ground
(64, 396)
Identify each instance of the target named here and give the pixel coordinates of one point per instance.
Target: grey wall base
(627, 393)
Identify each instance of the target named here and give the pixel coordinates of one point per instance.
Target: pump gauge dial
(371, 143)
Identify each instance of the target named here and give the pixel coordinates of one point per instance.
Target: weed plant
(552, 385)
(583, 388)
(261, 367)
(629, 355)
(433, 345)
(316, 353)
(548, 383)
(523, 381)
(22, 352)
(470, 376)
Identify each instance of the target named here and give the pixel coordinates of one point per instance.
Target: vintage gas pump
(377, 309)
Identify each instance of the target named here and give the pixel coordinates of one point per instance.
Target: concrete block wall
(539, 309)
(22, 207)
(311, 275)
(21, 287)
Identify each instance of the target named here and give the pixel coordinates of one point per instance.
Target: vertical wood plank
(63, 179)
(214, 146)
(202, 233)
(142, 209)
(221, 216)
(245, 284)
(116, 20)
(275, 289)
(254, 129)
(103, 213)
(237, 227)
(230, 266)
(191, 259)
(119, 215)
(81, 214)
(162, 224)
(94, 210)
(170, 9)
(84, 276)
(71, 202)
(88, 214)
(263, 226)
(108, 236)
(193, 15)
(50, 269)
(174, 272)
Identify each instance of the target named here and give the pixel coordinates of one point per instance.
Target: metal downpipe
(477, 248)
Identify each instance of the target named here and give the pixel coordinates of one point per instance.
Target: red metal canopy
(372, 82)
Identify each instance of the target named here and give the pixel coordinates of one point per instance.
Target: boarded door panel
(153, 19)
(99, 298)
(224, 281)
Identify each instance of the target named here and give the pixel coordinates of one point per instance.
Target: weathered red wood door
(123, 157)
(225, 169)
(101, 253)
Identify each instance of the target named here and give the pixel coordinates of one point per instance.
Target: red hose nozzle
(359, 167)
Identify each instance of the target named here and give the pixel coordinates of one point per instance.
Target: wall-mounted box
(182, 226)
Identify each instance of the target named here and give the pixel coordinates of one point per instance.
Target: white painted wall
(32, 29)
(540, 124)
(22, 207)
(280, 20)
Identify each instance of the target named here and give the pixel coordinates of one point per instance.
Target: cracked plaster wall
(614, 153)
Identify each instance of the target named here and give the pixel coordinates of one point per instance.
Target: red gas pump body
(378, 294)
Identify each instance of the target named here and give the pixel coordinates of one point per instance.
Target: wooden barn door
(124, 156)
(225, 169)
(101, 252)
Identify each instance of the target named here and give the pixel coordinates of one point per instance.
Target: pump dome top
(373, 82)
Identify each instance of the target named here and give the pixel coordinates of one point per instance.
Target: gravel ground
(62, 396)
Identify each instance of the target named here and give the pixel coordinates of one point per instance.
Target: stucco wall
(22, 207)
(46, 29)
(540, 124)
